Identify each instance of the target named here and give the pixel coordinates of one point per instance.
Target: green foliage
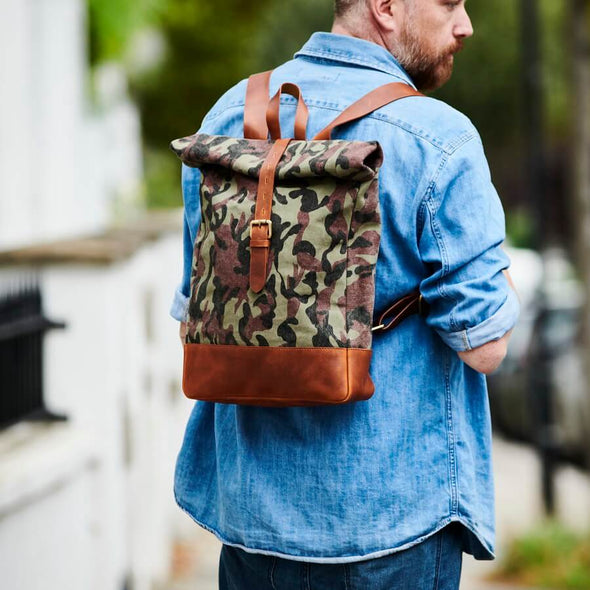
(487, 82)
(556, 67)
(487, 79)
(519, 228)
(162, 178)
(210, 47)
(549, 557)
(112, 24)
(286, 26)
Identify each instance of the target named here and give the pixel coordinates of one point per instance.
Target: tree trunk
(579, 30)
(533, 120)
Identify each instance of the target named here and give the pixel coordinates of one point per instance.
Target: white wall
(16, 117)
(49, 531)
(85, 504)
(108, 510)
(64, 163)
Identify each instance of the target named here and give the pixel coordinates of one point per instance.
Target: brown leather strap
(367, 104)
(257, 96)
(301, 115)
(400, 310)
(260, 226)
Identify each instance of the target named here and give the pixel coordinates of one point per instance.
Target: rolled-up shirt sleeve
(471, 302)
(191, 178)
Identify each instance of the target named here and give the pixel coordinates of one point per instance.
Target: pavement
(518, 509)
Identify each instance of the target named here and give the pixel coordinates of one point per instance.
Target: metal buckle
(260, 222)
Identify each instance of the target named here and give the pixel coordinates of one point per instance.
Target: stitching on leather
(281, 348)
(347, 396)
(190, 391)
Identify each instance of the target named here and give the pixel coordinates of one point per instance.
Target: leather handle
(367, 104)
(301, 116)
(257, 97)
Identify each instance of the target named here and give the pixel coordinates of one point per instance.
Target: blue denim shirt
(346, 483)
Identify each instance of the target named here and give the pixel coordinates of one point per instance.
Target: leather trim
(257, 98)
(260, 227)
(279, 377)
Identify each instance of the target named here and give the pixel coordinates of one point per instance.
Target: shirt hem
(484, 554)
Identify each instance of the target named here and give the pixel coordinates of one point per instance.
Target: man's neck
(340, 28)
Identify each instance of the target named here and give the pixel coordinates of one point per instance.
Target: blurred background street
(91, 408)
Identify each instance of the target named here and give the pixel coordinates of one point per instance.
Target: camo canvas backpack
(283, 271)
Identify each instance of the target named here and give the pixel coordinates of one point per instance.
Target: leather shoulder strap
(367, 104)
(257, 99)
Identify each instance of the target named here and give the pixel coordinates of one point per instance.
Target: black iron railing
(22, 327)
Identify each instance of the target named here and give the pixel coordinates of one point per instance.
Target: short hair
(342, 7)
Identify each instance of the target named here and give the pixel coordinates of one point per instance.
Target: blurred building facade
(86, 502)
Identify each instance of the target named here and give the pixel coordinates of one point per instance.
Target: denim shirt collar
(351, 50)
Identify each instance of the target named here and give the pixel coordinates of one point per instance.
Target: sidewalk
(519, 508)
(519, 505)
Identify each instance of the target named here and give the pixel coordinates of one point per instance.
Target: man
(386, 493)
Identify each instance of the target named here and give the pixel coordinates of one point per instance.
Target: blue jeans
(434, 564)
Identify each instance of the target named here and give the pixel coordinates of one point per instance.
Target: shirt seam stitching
(343, 57)
(444, 521)
(449, 149)
(465, 335)
(439, 237)
(486, 322)
(451, 441)
(420, 221)
(466, 342)
(439, 240)
(460, 141)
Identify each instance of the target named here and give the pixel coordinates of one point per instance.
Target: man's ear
(387, 14)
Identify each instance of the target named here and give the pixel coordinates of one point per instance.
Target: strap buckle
(261, 222)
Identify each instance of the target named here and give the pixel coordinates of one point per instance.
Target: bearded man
(390, 492)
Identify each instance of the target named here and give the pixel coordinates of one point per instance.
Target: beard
(428, 67)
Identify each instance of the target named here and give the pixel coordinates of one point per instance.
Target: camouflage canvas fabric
(324, 246)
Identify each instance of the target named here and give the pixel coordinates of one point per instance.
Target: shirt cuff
(491, 329)
(179, 307)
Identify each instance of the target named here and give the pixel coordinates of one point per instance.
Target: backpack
(283, 272)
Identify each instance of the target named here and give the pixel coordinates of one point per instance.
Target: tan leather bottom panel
(265, 376)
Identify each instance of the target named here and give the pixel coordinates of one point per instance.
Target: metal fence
(22, 328)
